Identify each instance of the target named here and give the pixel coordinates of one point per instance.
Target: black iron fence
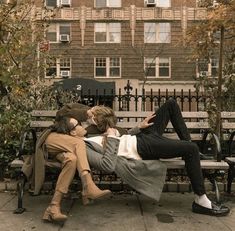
(145, 101)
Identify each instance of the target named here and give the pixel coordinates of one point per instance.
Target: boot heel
(47, 216)
(86, 200)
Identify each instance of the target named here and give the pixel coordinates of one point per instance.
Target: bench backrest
(228, 127)
(195, 121)
(228, 121)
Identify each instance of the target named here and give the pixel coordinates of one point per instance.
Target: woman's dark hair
(62, 125)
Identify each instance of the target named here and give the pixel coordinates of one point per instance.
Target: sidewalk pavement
(119, 212)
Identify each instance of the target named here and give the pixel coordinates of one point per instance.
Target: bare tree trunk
(220, 74)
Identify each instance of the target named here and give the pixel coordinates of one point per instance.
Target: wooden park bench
(197, 123)
(228, 130)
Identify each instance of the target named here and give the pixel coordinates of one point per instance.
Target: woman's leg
(60, 142)
(155, 147)
(53, 211)
(169, 112)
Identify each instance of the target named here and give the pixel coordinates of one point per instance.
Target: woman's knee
(192, 149)
(172, 102)
(69, 159)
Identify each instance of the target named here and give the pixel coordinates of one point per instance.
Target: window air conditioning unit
(64, 37)
(65, 74)
(150, 2)
(65, 2)
(202, 73)
(215, 4)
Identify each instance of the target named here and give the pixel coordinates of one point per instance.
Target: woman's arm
(143, 124)
(105, 161)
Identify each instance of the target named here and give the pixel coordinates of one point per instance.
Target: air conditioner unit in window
(65, 2)
(202, 73)
(150, 2)
(64, 74)
(64, 37)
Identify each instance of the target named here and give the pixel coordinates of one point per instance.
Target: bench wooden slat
(199, 125)
(124, 114)
(196, 114)
(43, 113)
(143, 114)
(40, 124)
(205, 164)
(228, 125)
(227, 115)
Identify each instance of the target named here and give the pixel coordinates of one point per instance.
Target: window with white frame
(58, 32)
(107, 3)
(214, 67)
(163, 3)
(207, 67)
(107, 32)
(107, 67)
(157, 32)
(158, 67)
(157, 3)
(58, 68)
(56, 3)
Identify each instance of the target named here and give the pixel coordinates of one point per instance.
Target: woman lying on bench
(130, 155)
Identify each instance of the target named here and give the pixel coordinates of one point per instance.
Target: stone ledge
(11, 185)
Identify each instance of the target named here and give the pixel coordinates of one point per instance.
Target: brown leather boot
(90, 191)
(53, 212)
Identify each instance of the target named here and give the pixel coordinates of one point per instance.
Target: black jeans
(152, 145)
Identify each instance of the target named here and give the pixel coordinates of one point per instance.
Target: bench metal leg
(211, 178)
(216, 189)
(20, 194)
(231, 173)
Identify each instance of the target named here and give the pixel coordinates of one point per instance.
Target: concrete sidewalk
(120, 212)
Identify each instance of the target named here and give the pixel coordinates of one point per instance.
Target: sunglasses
(78, 124)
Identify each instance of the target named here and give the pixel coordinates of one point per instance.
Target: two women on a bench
(135, 158)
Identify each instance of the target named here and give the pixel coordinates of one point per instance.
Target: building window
(107, 67)
(107, 3)
(57, 3)
(164, 67)
(207, 67)
(150, 67)
(107, 32)
(157, 3)
(58, 32)
(58, 68)
(52, 3)
(214, 67)
(157, 67)
(157, 32)
(164, 3)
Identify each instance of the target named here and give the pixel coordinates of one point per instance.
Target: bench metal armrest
(217, 143)
(230, 142)
(23, 139)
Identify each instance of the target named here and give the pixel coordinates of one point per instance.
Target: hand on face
(145, 123)
(90, 116)
(112, 132)
(78, 130)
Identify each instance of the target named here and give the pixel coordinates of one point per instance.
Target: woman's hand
(111, 132)
(145, 123)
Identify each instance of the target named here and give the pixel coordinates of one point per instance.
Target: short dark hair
(63, 125)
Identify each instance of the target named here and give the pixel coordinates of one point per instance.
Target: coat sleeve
(105, 161)
(134, 131)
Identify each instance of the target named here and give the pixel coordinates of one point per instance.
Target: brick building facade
(117, 40)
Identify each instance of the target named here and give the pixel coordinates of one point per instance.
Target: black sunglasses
(78, 124)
